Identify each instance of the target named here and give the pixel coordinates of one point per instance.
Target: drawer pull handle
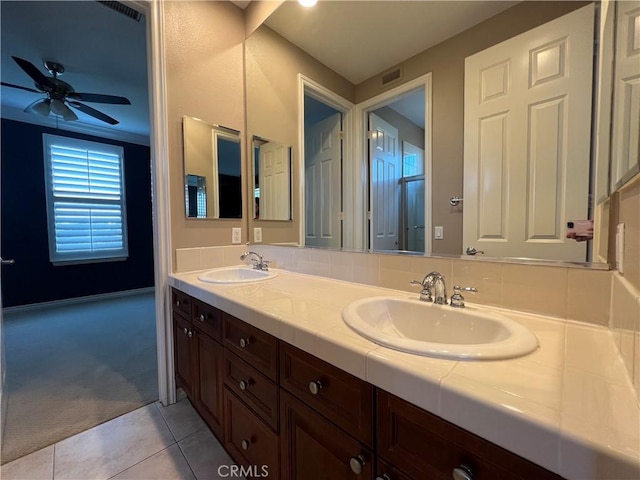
(186, 331)
(202, 317)
(244, 384)
(314, 387)
(245, 444)
(357, 464)
(244, 342)
(178, 303)
(463, 472)
(190, 334)
(384, 476)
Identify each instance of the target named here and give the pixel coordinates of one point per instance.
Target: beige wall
(272, 67)
(446, 62)
(204, 48)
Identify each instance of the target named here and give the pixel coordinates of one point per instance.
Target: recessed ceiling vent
(123, 9)
(391, 76)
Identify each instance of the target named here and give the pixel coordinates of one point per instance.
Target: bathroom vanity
(284, 383)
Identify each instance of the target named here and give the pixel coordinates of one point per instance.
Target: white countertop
(569, 406)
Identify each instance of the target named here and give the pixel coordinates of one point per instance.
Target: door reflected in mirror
(212, 165)
(272, 179)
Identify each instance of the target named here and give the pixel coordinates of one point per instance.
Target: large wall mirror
(212, 166)
(458, 199)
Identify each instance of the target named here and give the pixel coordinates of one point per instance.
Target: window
(85, 200)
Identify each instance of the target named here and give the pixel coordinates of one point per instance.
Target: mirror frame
(225, 132)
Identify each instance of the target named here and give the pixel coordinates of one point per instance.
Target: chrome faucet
(434, 288)
(259, 263)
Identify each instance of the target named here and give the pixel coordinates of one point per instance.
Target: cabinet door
(182, 353)
(314, 449)
(208, 378)
(425, 446)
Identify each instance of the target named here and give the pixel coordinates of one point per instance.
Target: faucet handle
(457, 300)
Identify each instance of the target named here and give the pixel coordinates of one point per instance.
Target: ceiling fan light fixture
(307, 3)
(41, 108)
(59, 108)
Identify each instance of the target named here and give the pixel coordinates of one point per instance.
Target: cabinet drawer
(254, 346)
(256, 390)
(428, 447)
(208, 319)
(181, 302)
(342, 398)
(249, 441)
(315, 449)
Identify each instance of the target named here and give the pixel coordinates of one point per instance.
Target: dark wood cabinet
(183, 353)
(207, 384)
(315, 449)
(254, 346)
(344, 399)
(281, 411)
(249, 441)
(253, 388)
(422, 445)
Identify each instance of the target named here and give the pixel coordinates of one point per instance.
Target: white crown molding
(12, 113)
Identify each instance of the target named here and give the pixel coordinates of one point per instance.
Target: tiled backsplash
(574, 293)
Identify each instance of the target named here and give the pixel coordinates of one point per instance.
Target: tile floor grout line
(186, 459)
(144, 459)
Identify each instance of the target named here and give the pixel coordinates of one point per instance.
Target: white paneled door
(274, 174)
(386, 175)
(323, 183)
(625, 149)
(527, 141)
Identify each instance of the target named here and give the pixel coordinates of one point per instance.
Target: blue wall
(33, 279)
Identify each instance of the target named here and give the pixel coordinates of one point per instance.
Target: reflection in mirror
(272, 184)
(212, 165)
(625, 147)
(196, 196)
(397, 173)
(322, 173)
(467, 29)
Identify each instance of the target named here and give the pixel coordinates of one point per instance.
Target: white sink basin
(239, 274)
(440, 331)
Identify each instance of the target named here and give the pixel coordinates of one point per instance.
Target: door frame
(161, 210)
(344, 106)
(361, 114)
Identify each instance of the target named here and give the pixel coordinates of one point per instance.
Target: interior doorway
(24, 293)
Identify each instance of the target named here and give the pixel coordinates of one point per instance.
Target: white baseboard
(78, 300)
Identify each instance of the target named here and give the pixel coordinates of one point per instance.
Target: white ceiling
(359, 39)
(102, 52)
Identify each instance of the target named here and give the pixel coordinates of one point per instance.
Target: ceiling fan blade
(4, 84)
(59, 108)
(93, 112)
(41, 107)
(31, 70)
(98, 98)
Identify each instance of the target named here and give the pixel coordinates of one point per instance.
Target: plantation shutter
(85, 200)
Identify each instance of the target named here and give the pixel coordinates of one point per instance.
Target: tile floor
(150, 443)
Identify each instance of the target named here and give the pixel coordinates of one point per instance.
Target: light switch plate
(257, 235)
(438, 233)
(236, 235)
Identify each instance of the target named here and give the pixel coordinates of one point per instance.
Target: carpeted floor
(73, 367)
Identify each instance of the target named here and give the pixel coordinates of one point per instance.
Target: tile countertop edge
(456, 401)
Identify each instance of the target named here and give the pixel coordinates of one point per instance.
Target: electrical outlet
(236, 235)
(257, 235)
(438, 233)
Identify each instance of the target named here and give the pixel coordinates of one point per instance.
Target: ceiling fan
(60, 95)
